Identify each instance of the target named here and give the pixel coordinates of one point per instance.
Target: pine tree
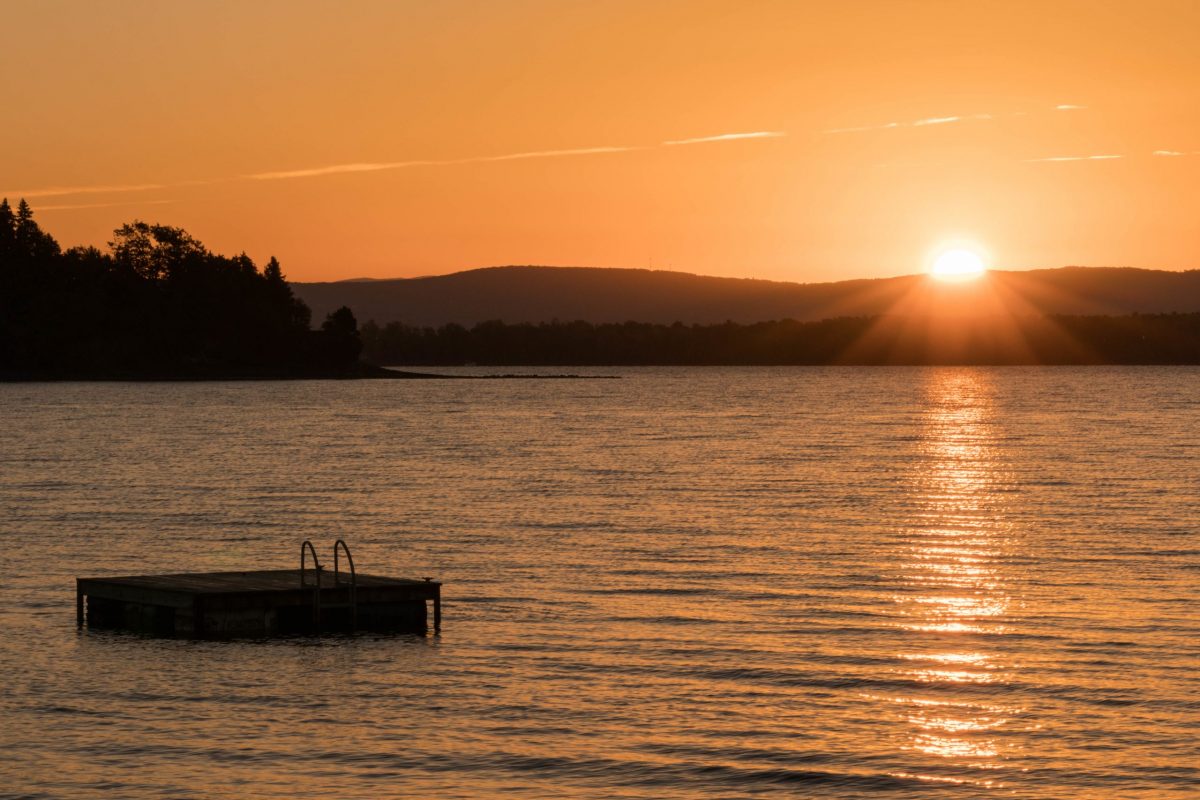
(298, 314)
(272, 272)
(8, 231)
(29, 240)
(24, 228)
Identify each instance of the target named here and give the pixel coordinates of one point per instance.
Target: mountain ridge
(529, 293)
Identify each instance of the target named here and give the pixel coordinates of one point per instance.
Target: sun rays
(969, 315)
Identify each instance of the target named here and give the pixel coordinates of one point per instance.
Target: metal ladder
(339, 546)
(305, 548)
(353, 580)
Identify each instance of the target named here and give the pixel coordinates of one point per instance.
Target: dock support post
(198, 628)
(78, 605)
(437, 610)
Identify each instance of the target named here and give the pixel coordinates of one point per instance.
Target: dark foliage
(1133, 339)
(158, 304)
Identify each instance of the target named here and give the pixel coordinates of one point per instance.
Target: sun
(958, 264)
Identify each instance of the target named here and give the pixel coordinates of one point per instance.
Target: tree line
(157, 303)
(881, 340)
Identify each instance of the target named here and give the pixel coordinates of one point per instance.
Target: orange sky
(862, 173)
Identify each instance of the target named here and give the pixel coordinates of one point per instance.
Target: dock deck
(256, 603)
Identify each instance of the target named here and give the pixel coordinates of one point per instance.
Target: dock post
(198, 627)
(437, 610)
(78, 605)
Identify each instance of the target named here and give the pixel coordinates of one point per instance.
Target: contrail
(379, 166)
(54, 191)
(73, 206)
(334, 169)
(919, 123)
(725, 137)
(1074, 158)
(578, 151)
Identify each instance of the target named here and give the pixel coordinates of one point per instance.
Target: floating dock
(259, 603)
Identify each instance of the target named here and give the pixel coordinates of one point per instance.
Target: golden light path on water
(955, 591)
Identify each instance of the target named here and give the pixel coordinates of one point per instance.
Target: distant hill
(537, 294)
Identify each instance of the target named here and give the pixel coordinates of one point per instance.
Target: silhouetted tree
(31, 241)
(8, 231)
(159, 303)
(341, 343)
(153, 251)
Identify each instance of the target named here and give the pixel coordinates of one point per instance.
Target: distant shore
(360, 372)
(888, 340)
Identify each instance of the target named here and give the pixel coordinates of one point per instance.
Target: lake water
(835, 583)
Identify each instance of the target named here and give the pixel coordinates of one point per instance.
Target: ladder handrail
(341, 543)
(305, 548)
(308, 546)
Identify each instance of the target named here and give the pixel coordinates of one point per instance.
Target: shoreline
(361, 372)
(370, 372)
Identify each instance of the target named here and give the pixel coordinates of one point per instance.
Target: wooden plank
(257, 602)
(261, 580)
(133, 593)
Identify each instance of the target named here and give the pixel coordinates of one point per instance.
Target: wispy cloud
(55, 191)
(916, 123)
(920, 123)
(577, 151)
(581, 151)
(725, 137)
(376, 166)
(1074, 158)
(1156, 153)
(935, 121)
(73, 206)
(335, 169)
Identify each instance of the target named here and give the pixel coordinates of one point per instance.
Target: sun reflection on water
(953, 593)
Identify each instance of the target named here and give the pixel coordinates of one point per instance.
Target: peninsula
(158, 305)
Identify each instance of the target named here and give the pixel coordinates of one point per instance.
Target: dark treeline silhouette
(158, 304)
(1133, 339)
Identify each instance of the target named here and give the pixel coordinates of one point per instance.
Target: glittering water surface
(683, 583)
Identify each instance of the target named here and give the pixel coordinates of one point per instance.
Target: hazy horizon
(914, 274)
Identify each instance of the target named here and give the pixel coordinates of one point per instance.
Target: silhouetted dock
(258, 603)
